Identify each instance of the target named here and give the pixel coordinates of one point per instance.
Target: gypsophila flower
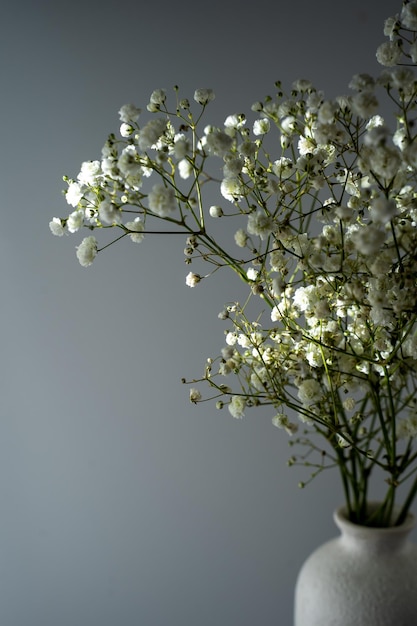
(260, 224)
(195, 395)
(235, 121)
(56, 227)
(368, 239)
(216, 211)
(162, 200)
(365, 103)
(74, 193)
(75, 221)
(283, 167)
(181, 146)
(89, 172)
(129, 113)
(261, 127)
(252, 273)
(185, 168)
(204, 96)
(391, 26)
(217, 142)
(281, 421)
(87, 251)
(108, 212)
(241, 238)
(231, 338)
(349, 404)
(383, 209)
(309, 391)
(137, 227)
(237, 407)
(409, 15)
(158, 97)
(231, 189)
(192, 279)
(150, 133)
(388, 53)
(361, 82)
(126, 130)
(129, 162)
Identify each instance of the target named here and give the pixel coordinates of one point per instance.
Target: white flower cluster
(325, 236)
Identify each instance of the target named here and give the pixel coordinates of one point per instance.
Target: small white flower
(129, 113)
(231, 338)
(375, 122)
(388, 53)
(288, 124)
(235, 121)
(391, 26)
(162, 200)
(158, 97)
(409, 15)
(90, 170)
(87, 251)
(243, 341)
(281, 421)
(368, 239)
(75, 221)
(361, 82)
(241, 238)
(364, 103)
(218, 142)
(261, 127)
(260, 224)
(56, 227)
(349, 404)
(191, 280)
(232, 167)
(128, 162)
(150, 133)
(137, 227)
(309, 391)
(181, 147)
(74, 193)
(215, 211)
(204, 96)
(237, 406)
(185, 168)
(108, 212)
(383, 209)
(195, 395)
(276, 314)
(302, 85)
(126, 129)
(231, 189)
(283, 168)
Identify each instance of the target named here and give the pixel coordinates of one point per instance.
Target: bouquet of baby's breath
(323, 198)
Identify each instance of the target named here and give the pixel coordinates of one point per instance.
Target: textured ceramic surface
(364, 577)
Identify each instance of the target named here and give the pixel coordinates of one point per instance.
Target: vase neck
(371, 538)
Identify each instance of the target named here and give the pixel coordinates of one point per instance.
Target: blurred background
(122, 503)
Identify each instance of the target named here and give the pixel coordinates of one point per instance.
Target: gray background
(121, 503)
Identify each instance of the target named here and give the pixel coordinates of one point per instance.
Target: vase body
(365, 577)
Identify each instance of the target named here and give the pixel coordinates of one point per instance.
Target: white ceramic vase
(365, 577)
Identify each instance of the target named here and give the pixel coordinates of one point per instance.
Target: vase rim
(341, 520)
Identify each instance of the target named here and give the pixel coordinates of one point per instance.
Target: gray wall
(121, 503)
